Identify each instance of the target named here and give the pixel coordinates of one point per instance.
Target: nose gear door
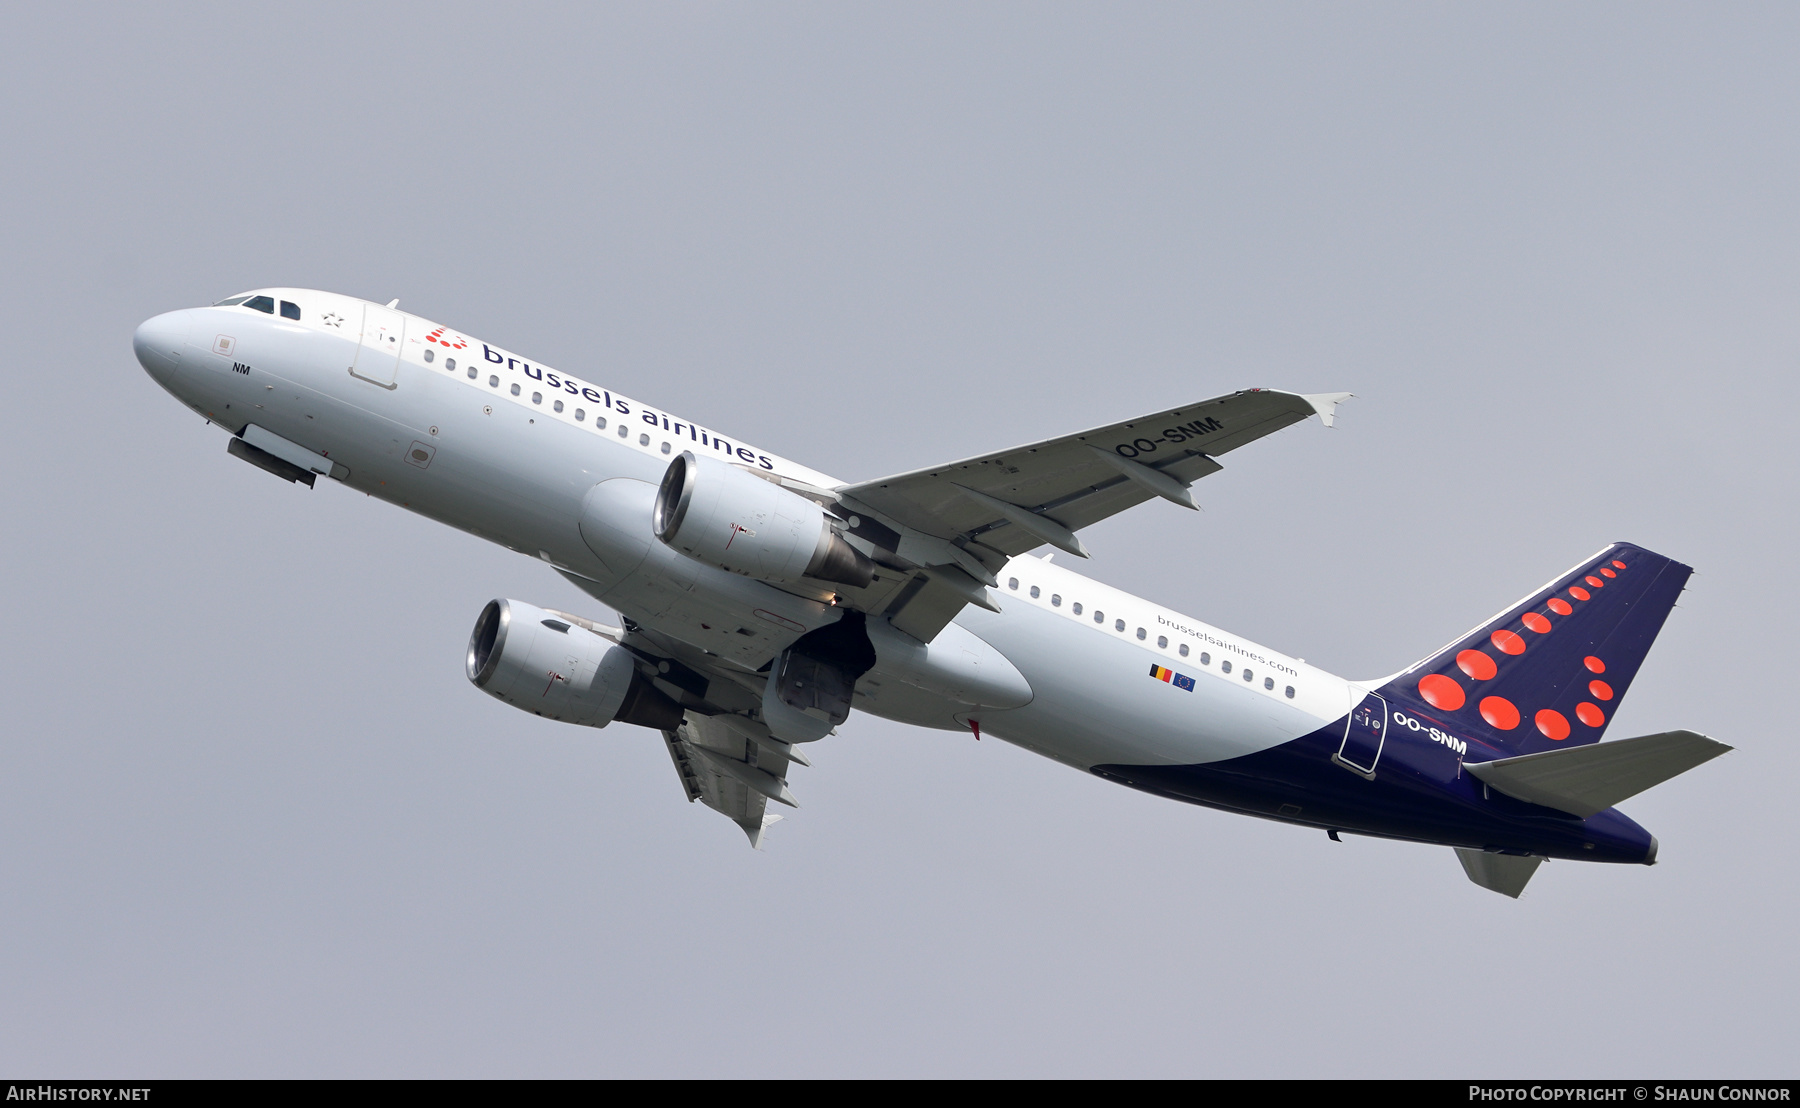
(1364, 732)
(378, 350)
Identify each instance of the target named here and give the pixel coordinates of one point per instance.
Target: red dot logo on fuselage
(448, 339)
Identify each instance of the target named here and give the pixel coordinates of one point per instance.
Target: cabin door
(1364, 732)
(378, 352)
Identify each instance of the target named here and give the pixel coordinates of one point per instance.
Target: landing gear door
(1364, 732)
(378, 351)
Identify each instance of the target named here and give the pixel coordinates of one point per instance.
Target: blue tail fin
(1550, 671)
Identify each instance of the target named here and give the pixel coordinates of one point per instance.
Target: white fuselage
(509, 450)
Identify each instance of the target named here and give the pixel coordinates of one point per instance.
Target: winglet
(755, 831)
(1325, 403)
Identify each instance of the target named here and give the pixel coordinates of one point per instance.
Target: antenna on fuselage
(394, 303)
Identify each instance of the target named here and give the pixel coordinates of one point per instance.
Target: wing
(963, 520)
(724, 755)
(726, 765)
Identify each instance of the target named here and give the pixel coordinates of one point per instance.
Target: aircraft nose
(159, 341)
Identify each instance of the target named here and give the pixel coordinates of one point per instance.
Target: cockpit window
(261, 304)
(232, 302)
(290, 310)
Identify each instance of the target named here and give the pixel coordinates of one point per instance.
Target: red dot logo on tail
(1477, 665)
(1553, 724)
(1500, 712)
(1441, 692)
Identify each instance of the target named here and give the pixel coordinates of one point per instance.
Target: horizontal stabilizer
(1503, 873)
(1583, 780)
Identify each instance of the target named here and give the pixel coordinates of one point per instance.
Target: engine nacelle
(720, 515)
(540, 662)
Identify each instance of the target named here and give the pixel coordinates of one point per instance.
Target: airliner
(760, 601)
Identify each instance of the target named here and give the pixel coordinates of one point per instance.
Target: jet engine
(546, 663)
(721, 515)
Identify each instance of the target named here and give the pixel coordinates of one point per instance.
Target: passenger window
(1012, 583)
(291, 310)
(1034, 592)
(450, 364)
(1224, 667)
(1141, 633)
(1075, 607)
(1290, 692)
(1269, 683)
(1184, 650)
(599, 422)
(665, 448)
(1099, 616)
(1248, 675)
(581, 414)
(493, 382)
(1119, 625)
(643, 440)
(625, 431)
(1056, 600)
(557, 406)
(1162, 643)
(261, 304)
(515, 390)
(428, 353)
(1206, 659)
(471, 373)
(537, 398)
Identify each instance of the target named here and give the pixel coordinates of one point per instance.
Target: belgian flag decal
(1179, 680)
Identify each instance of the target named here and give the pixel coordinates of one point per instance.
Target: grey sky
(255, 821)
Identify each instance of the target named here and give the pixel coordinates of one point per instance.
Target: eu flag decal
(1179, 680)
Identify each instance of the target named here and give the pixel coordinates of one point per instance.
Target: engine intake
(720, 515)
(539, 662)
